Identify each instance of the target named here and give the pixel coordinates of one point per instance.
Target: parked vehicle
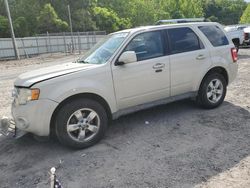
(128, 71)
(247, 36)
(236, 34)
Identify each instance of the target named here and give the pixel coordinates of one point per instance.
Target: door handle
(200, 57)
(159, 66)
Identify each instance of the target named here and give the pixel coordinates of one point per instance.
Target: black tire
(65, 113)
(202, 98)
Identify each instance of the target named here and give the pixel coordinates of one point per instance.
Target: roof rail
(184, 20)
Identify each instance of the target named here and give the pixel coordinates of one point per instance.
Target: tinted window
(183, 40)
(214, 35)
(147, 45)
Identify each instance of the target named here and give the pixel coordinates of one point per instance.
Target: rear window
(214, 35)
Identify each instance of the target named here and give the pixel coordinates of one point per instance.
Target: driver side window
(147, 45)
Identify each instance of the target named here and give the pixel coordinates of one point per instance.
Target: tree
(139, 16)
(82, 20)
(4, 27)
(108, 20)
(21, 27)
(245, 18)
(191, 8)
(225, 11)
(39, 16)
(49, 21)
(28, 9)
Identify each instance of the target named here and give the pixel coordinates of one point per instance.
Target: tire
(209, 96)
(81, 123)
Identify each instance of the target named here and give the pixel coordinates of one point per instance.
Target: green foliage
(224, 11)
(4, 27)
(48, 20)
(245, 18)
(108, 20)
(39, 16)
(21, 27)
(29, 9)
(82, 20)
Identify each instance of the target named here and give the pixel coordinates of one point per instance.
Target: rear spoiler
(184, 20)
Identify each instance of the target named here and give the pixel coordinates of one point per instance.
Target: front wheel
(212, 91)
(81, 123)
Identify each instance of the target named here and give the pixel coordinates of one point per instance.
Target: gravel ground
(174, 145)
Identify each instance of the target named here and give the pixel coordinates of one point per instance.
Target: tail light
(234, 54)
(246, 36)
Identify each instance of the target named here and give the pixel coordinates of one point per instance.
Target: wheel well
(92, 96)
(219, 70)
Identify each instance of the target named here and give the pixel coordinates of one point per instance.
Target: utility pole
(71, 29)
(12, 30)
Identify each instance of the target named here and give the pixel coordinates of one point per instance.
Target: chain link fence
(76, 42)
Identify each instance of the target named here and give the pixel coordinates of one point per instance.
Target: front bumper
(34, 117)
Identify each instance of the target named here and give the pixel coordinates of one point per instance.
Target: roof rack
(184, 20)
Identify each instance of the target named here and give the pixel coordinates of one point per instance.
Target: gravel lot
(174, 145)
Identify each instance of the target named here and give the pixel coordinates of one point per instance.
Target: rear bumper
(34, 117)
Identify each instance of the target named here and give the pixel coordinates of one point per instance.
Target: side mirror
(127, 57)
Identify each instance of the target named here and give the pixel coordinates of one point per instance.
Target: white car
(128, 71)
(237, 35)
(247, 36)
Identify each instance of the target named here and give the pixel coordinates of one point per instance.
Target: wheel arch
(218, 69)
(92, 96)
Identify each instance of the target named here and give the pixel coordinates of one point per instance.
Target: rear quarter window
(215, 35)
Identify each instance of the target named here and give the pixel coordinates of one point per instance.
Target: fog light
(21, 123)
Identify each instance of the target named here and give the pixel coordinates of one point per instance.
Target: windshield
(103, 50)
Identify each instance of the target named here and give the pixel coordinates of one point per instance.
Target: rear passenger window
(214, 35)
(184, 40)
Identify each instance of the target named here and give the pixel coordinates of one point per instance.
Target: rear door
(188, 59)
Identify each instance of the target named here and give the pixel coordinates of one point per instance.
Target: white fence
(49, 43)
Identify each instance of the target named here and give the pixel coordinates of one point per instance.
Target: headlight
(23, 95)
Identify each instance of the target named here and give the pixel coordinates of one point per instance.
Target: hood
(30, 78)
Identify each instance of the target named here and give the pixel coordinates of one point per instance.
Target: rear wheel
(81, 123)
(212, 91)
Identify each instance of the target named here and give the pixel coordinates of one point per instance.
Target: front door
(147, 79)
